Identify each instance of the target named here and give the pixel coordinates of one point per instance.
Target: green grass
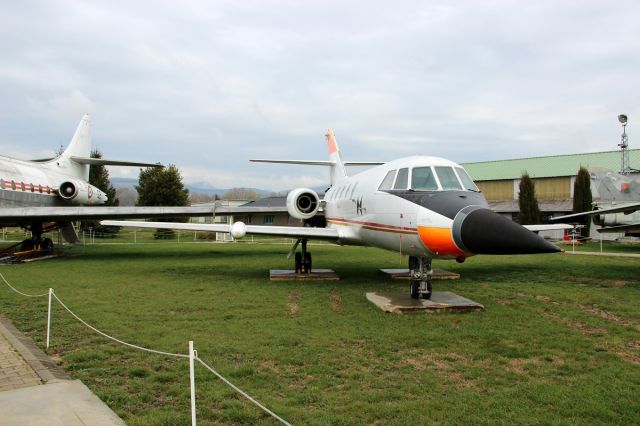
(557, 343)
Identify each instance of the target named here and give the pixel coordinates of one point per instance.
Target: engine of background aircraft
(81, 193)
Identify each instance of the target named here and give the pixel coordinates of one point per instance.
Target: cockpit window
(447, 178)
(423, 179)
(467, 182)
(402, 180)
(387, 182)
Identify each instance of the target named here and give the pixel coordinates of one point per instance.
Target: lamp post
(624, 144)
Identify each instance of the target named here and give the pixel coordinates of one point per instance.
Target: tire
(415, 289)
(26, 245)
(307, 263)
(47, 245)
(298, 262)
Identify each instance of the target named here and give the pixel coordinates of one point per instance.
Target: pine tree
(529, 210)
(99, 177)
(162, 186)
(582, 198)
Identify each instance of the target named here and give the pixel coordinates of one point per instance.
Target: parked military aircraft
(36, 193)
(616, 203)
(425, 207)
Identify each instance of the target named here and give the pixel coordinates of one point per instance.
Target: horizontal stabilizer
(319, 162)
(102, 162)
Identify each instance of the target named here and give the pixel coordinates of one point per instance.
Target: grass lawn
(557, 343)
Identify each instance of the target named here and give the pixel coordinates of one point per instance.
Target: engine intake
(303, 203)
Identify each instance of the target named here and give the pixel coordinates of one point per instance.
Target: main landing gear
(36, 242)
(303, 259)
(421, 272)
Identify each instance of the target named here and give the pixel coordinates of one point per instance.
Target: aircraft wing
(103, 162)
(279, 231)
(634, 227)
(548, 227)
(623, 208)
(19, 215)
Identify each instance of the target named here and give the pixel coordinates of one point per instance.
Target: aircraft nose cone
(483, 231)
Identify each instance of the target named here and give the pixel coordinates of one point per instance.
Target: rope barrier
(237, 389)
(131, 345)
(21, 293)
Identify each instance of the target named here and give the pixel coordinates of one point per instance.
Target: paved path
(14, 371)
(35, 391)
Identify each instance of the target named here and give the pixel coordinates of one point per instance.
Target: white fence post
(49, 317)
(192, 380)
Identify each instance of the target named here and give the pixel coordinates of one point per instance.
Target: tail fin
(80, 146)
(338, 170)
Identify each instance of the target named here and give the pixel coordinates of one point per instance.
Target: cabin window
(423, 179)
(467, 182)
(447, 178)
(387, 182)
(402, 180)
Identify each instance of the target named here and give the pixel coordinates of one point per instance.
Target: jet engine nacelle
(79, 192)
(303, 203)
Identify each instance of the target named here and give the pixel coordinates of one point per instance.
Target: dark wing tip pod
(483, 231)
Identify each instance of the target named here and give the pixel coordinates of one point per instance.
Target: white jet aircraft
(34, 194)
(425, 207)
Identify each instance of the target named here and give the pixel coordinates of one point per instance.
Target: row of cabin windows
(428, 179)
(25, 186)
(343, 192)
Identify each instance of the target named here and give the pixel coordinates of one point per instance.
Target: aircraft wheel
(415, 289)
(307, 263)
(26, 245)
(47, 245)
(298, 262)
(427, 295)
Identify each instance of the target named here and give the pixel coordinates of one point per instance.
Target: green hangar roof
(552, 166)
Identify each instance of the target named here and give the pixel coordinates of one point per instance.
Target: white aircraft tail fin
(80, 145)
(338, 170)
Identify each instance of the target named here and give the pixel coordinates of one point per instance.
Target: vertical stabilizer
(338, 170)
(80, 146)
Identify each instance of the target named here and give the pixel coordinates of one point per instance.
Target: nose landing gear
(421, 273)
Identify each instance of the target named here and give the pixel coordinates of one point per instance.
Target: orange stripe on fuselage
(439, 241)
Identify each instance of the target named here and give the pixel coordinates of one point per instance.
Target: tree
(162, 186)
(582, 198)
(529, 210)
(99, 177)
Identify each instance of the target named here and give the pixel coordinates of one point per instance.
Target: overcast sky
(206, 85)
